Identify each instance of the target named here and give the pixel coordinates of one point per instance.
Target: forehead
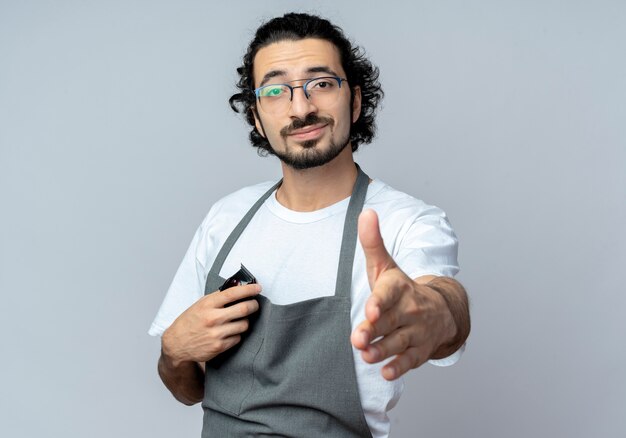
(292, 59)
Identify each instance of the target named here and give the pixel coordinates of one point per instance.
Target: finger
(376, 256)
(222, 298)
(233, 328)
(360, 337)
(388, 323)
(396, 342)
(386, 293)
(218, 316)
(376, 324)
(411, 358)
(239, 310)
(226, 343)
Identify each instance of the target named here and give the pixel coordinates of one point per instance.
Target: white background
(116, 137)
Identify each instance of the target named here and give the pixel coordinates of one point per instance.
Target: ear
(356, 103)
(257, 122)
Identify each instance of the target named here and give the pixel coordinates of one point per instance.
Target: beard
(310, 156)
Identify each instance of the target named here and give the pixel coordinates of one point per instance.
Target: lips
(308, 133)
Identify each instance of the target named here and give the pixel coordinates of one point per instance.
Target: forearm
(185, 380)
(456, 298)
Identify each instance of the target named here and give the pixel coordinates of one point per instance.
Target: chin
(309, 144)
(310, 153)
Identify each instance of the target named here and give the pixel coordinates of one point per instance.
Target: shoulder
(418, 235)
(223, 217)
(395, 205)
(243, 198)
(232, 207)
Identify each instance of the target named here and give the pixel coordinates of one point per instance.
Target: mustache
(310, 119)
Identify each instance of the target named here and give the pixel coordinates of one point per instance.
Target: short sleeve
(429, 246)
(186, 288)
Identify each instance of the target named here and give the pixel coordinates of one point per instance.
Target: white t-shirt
(294, 256)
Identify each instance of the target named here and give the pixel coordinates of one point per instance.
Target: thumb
(377, 258)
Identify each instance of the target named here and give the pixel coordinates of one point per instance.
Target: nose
(300, 105)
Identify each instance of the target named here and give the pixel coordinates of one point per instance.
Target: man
(305, 351)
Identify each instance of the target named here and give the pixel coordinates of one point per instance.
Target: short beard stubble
(311, 156)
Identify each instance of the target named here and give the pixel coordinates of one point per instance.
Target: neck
(318, 187)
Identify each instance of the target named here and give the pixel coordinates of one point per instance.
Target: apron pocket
(228, 380)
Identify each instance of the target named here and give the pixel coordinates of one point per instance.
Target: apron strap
(343, 287)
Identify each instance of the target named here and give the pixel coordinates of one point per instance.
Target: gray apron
(293, 372)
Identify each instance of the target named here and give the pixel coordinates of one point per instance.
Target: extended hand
(412, 319)
(207, 328)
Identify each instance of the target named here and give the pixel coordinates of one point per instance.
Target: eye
(322, 84)
(272, 91)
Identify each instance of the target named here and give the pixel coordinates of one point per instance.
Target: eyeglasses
(276, 98)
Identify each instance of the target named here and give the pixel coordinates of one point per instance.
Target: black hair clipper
(240, 278)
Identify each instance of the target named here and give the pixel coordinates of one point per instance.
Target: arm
(185, 380)
(456, 301)
(206, 329)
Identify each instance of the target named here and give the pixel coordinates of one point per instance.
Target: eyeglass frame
(339, 80)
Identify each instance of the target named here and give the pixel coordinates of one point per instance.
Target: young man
(350, 271)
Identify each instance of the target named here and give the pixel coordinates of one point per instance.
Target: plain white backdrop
(116, 137)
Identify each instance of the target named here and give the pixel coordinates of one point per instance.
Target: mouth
(309, 132)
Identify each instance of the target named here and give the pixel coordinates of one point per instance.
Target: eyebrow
(317, 69)
(271, 74)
